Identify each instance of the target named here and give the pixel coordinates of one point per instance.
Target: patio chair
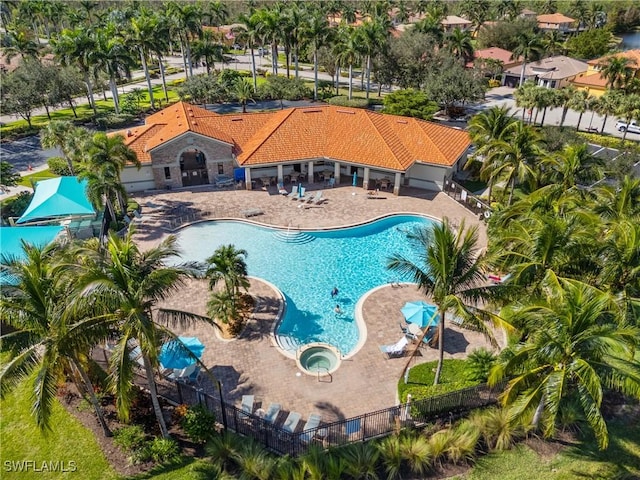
(397, 349)
(272, 412)
(317, 199)
(294, 192)
(331, 182)
(247, 403)
(291, 422)
(311, 427)
(301, 195)
(281, 189)
(182, 374)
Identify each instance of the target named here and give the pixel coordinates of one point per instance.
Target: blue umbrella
(355, 179)
(175, 354)
(300, 192)
(421, 313)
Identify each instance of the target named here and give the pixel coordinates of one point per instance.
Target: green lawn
(29, 180)
(620, 461)
(68, 442)
(420, 384)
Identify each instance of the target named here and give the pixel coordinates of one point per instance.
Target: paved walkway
(251, 364)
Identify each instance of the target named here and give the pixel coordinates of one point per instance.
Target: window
(220, 168)
(167, 173)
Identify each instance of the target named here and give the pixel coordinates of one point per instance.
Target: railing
(466, 198)
(361, 428)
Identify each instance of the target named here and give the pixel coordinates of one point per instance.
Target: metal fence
(355, 429)
(466, 198)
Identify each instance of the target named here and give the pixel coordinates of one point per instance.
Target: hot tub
(318, 359)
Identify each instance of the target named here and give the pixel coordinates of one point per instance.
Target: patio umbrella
(300, 190)
(421, 313)
(355, 179)
(175, 354)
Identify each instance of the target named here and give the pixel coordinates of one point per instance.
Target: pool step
(288, 343)
(293, 236)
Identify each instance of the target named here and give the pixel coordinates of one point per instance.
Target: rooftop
(632, 55)
(554, 18)
(552, 68)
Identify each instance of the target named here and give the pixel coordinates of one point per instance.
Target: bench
(252, 212)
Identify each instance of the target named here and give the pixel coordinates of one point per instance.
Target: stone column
(365, 179)
(280, 175)
(336, 172)
(247, 177)
(310, 178)
(396, 183)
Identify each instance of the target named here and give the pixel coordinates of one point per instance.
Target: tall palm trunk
(604, 122)
(188, 51)
(524, 64)
(253, 70)
(565, 109)
(368, 74)
(537, 416)
(513, 187)
(154, 397)
(143, 60)
(544, 114)
(184, 58)
(315, 73)
(114, 93)
(295, 59)
(579, 120)
(274, 57)
(87, 82)
(337, 77)
(164, 80)
(92, 397)
(350, 80)
(287, 59)
(436, 378)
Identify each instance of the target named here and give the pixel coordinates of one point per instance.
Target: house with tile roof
(593, 82)
(184, 145)
(451, 22)
(505, 57)
(556, 22)
(551, 72)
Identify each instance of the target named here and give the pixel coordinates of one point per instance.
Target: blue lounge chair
(272, 412)
(294, 192)
(247, 403)
(311, 427)
(301, 195)
(395, 350)
(291, 422)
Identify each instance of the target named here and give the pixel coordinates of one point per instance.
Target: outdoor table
(414, 329)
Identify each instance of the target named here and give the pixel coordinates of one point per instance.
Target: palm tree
(515, 156)
(372, 37)
(619, 202)
(573, 166)
(348, 50)
(50, 338)
(18, 41)
(125, 284)
(58, 134)
(574, 348)
(486, 128)
(563, 98)
(243, 92)
(248, 33)
(579, 102)
(617, 71)
(459, 43)
(186, 22)
(525, 96)
(317, 31)
(628, 108)
(75, 47)
(141, 36)
(267, 22)
(451, 272)
(553, 43)
(112, 56)
(207, 48)
(529, 48)
(608, 105)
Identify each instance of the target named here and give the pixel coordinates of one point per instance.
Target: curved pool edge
(320, 229)
(322, 345)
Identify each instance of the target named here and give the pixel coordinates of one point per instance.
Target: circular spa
(318, 359)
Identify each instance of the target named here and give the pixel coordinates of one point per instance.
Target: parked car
(223, 181)
(632, 127)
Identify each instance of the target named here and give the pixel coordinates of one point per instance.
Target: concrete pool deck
(251, 364)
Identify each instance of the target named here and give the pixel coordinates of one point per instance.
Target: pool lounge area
(252, 364)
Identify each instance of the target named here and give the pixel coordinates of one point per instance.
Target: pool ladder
(328, 374)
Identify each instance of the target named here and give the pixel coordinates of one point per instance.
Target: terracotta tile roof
(632, 55)
(455, 20)
(592, 80)
(495, 53)
(355, 135)
(554, 18)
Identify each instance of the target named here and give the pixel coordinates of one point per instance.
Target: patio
(251, 364)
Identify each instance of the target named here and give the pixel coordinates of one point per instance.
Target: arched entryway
(193, 168)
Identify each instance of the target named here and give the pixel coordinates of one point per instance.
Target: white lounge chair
(317, 198)
(310, 428)
(247, 403)
(272, 412)
(294, 192)
(183, 374)
(301, 195)
(397, 349)
(291, 422)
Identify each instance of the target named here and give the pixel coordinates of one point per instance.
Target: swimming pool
(306, 265)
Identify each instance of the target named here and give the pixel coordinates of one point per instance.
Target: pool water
(306, 265)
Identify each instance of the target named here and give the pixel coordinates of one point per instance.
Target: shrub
(60, 166)
(15, 206)
(133, 206)
(163, 450)
(343, 101)
(607, 141)
(129, 438)
(493, 83)
(113, 121)
(479, 364)
(198, 424)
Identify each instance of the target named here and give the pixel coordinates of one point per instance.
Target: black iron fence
(466, 198)
(355, 429)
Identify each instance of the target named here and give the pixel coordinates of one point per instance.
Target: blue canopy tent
(175, 354)
(421, 313)
(11, 239)
(59, 197)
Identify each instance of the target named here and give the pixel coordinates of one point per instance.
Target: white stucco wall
(135, 180)
(427, 177)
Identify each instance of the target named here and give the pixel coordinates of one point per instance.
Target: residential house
(451, 22)
(184, 145)
(526, 13)
(593, 82)
(556, 22)
(495, 53)
(552, 72)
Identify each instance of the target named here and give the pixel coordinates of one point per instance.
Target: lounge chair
(397, 349)
(182, 374)
(331, 182)
(301, 195)
(291, 422)
(272, 412)
(317, 199)
(294, 192)
(281, 189)
(311, 427)
(247, 403)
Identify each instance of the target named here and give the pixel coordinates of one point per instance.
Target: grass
(620, 461)
(473, 185)
(69, 441)
(420, 384)
(32, 178)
